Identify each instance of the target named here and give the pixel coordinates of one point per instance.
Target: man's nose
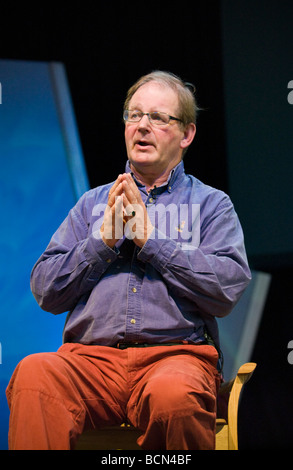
(144, 123)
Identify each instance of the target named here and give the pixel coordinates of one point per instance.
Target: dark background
(106, 47)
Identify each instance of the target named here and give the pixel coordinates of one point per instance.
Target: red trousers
(168, 392)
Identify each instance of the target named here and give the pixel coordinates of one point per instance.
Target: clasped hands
(125, 214)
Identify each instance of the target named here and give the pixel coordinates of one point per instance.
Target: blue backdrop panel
(42, 175)
(238, 331)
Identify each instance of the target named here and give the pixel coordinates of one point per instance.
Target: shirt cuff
(98, 253)
(157, 250)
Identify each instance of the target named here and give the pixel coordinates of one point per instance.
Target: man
(143, 266)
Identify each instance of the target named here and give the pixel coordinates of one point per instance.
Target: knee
(31, 372)
(36, 363)
(166, 396)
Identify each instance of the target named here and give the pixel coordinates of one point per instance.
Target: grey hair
(188, 108)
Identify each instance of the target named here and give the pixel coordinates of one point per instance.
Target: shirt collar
(174, 176)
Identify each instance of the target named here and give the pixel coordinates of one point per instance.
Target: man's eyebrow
(138, 107)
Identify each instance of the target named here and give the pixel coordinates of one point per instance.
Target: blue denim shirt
(191, 270)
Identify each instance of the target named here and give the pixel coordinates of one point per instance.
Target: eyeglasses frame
(149, 118)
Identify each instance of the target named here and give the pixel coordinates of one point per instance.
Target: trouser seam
(54, 397)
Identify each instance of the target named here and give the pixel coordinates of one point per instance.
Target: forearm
(63, 274)
(212, 282)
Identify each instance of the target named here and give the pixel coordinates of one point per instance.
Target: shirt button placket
(132, 324)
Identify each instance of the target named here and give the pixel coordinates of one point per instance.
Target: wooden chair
(227, 428)
(124, 437)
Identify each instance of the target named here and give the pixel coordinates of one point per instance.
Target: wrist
(108, 241)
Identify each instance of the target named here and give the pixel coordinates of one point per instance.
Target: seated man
(143, 266)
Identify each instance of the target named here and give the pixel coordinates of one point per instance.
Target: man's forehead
(154, 94)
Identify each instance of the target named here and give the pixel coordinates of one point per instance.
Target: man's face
(152, 148)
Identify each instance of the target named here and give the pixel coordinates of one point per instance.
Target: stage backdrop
(258, 80)
(41, 176)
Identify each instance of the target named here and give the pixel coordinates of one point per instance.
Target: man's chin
(142, 159)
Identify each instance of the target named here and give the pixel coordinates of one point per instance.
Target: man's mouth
(143, 143)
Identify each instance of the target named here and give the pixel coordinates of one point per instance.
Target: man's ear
(188, 136)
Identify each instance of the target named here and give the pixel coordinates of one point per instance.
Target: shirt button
(151, 199)
(134, 289)
(108, 260)
(133, 321)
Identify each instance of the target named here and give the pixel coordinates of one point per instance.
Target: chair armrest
(243, 375)
(246, 371)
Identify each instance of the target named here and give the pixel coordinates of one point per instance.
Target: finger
(128, 207)
(134, 188)
(130, 181)
(112, 229)
(131, 191)
(114, 193)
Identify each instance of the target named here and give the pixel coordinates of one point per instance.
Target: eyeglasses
(156, 118)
